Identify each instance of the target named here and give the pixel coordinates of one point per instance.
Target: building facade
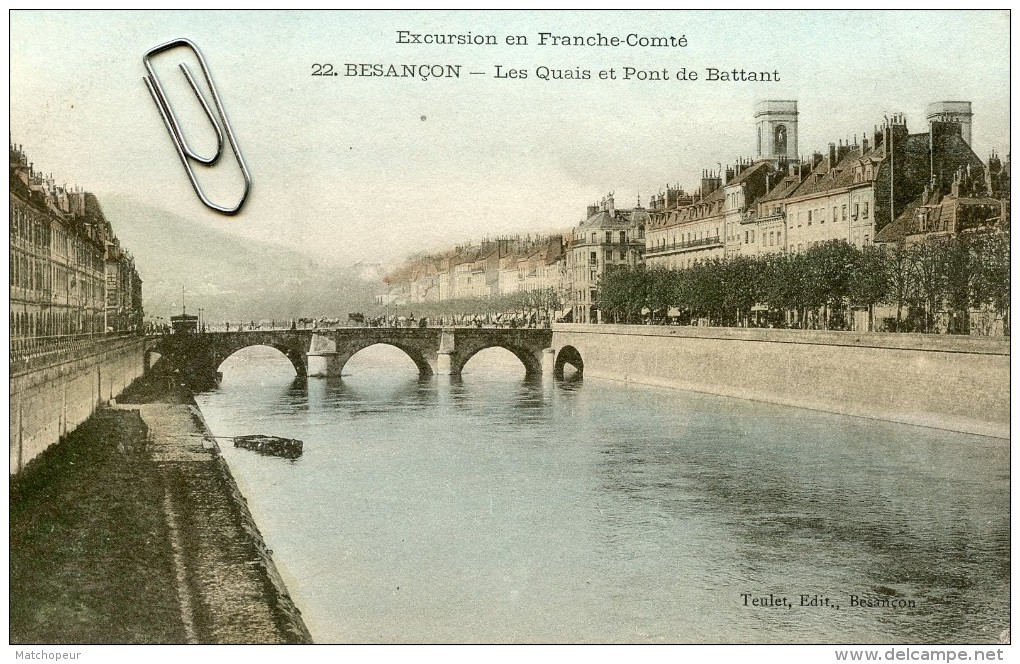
(68, 273)
(608, 238)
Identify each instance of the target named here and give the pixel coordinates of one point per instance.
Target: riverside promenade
(132, 530)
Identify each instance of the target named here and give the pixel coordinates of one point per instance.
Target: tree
(622, 292)
(897, 267)
(929, 270)
(830, 268)
(739, 284)
(962, 265)
(871, 282)
(991, 285)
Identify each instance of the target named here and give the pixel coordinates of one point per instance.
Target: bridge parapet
(325, 352)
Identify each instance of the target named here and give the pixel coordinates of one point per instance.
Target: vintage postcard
(524, 327)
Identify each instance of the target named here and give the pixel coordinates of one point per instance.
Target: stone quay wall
(947, 382)
(51, 393)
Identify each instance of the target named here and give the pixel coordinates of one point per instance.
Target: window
(821, 215)
(835, 215)
(856, 210)
(779, 238)
(809, 217)
(747, 234)
(609, 237)
(593, 259)
(844, 213)
(865, 214)
(779, 141)
(623, 237)
(593, 237)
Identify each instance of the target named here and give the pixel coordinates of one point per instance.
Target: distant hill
(229, 277)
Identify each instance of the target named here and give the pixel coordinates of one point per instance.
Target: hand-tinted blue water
(491, 509)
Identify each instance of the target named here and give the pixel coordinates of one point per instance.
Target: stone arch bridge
(198, 355)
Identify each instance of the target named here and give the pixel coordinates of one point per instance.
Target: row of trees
(932, 285)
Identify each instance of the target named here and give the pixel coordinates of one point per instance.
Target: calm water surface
(494, 509)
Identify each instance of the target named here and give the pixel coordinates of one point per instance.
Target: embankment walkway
(133, 531)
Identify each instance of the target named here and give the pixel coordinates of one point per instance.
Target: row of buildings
(69, 274)
(888, 186)
(502, 266)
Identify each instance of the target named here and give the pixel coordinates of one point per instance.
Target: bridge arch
(352, 348)
(198, 356)
(532, 363)
(297, 358)
(568, 355)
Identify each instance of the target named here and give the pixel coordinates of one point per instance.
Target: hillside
(229, 277)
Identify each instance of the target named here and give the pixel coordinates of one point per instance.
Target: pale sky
(370, 169)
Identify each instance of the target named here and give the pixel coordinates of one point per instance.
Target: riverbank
(955, 383)
(132, 530)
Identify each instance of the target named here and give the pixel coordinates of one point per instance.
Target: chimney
(816, 158)
(610, 206)
(730, 173)
(671, 196)
(710, 181)
(994, 164)
(832, 155)
(842, 152)
(592, 211)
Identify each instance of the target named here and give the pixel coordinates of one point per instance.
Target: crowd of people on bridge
(361, 320)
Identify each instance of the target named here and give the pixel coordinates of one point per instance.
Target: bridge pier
(548, 363)
(323, 364)
(444, 363)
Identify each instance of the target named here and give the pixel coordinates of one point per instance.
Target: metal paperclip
(220, 125)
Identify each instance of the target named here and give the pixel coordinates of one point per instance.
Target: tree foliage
(940, 276)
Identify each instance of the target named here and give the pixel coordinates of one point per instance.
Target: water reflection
(362, 395)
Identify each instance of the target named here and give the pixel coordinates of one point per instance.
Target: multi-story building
(768, 215)
(607, 238)
(745, 184)
(509, 274)
(68, 272)
(662, 234)
(967, 204)
(542, 269)
(856, 190)
(692, 231)
(495, 267)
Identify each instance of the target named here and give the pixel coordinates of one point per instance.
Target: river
(493, 509)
